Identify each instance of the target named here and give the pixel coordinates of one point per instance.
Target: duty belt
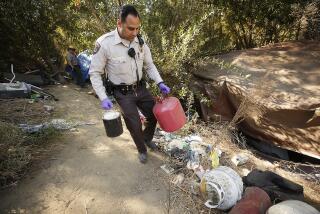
(124, 89)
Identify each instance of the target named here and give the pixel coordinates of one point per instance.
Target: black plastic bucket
(112, 123)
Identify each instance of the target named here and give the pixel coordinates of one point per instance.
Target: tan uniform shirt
(111, 56)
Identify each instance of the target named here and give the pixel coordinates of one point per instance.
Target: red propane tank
(169, 114)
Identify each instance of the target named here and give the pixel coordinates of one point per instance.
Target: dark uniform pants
(129, 102)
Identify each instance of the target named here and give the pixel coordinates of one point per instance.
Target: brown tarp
(292, 73)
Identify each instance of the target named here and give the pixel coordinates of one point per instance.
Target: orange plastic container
(170, 114)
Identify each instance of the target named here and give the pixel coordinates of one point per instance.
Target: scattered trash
(84, 123)
(48, 108)
(198, 147)
(59, 124)
(42, 92)
(219, 152)
(199, 172)
(277, 187)
(176, 143)
(158, 133)
(166, 135)
(292, 207)
(35, 97)
(14, 90)
(239, 159)
(214, 156)
(169, 137)
(74, 130)
(179, 154)
(32, 128)
(194, 138)
(178, 180)
(194, 160)
(188, 150)
(168, 169)
(222, 187)
(17, 89)
(29, 77)
(254, 201)
(245, 172)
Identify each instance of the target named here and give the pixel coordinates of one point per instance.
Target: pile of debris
(22, 90)
(221, 187)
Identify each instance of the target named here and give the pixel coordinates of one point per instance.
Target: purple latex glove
(164, 89)
(106, 104)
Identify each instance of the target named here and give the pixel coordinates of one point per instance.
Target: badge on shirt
(96, 48)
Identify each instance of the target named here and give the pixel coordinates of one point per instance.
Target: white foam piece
(111, 115)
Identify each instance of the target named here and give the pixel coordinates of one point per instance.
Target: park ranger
(122, 54)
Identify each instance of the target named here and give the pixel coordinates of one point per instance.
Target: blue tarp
(84, 60)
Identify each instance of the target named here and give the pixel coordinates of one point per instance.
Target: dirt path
(90, 173)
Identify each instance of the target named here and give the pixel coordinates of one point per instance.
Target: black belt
(129, 88)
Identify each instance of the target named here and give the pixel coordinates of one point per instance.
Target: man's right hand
(106, 104)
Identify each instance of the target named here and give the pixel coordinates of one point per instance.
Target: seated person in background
(72, 65)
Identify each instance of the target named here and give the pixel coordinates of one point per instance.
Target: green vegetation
(179, 32)
(17, 148)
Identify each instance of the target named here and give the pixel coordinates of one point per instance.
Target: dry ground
(86, 172)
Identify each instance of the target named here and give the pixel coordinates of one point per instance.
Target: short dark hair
(127, 10)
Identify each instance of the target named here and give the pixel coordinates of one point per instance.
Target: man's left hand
(164, 89)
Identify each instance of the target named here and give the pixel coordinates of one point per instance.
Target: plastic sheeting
(290, 72)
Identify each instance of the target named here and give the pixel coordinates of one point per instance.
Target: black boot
(143, 157)
(151, 145)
